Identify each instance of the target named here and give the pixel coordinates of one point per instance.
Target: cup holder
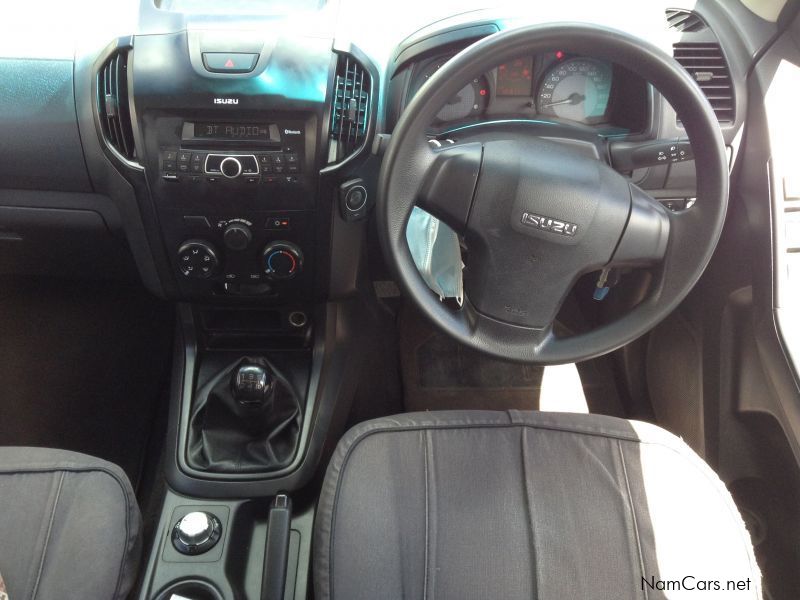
(189, 589)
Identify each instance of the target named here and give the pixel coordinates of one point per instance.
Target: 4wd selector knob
(282, 260)
(237, 236)
(196, 533)
(230, 167)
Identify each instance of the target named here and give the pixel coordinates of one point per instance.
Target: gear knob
(252, 385)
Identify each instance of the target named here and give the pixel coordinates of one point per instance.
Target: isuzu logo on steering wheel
(549, 224)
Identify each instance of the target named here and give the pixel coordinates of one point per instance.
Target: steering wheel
(536, 214)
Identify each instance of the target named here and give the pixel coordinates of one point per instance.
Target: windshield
(240, 7)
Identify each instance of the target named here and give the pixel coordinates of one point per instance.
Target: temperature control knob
(237, 236)
(282, 260)
(198, 259)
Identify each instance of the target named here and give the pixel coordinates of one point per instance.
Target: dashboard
(239, 154)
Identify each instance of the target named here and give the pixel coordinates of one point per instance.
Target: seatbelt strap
(3, 592)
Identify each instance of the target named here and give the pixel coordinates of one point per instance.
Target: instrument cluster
(554, 86)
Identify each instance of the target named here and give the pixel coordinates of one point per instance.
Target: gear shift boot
(246, 419)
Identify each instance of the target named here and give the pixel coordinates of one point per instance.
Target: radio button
(212, 163)
(249, 165)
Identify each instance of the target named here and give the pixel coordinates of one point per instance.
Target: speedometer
(577, 90)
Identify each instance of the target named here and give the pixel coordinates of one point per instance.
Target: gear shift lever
(253, 385)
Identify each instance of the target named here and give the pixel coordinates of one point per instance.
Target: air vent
(113, 105)
(350, 110)
(706, 63)
(684, 20)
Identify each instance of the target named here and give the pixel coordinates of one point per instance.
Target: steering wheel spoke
(644, 241)
(449, 185)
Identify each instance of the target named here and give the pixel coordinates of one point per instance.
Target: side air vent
(706, 63)
(684, 20)
(113, 105)
(351, 106)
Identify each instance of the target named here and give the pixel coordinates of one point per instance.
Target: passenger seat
(69, 526)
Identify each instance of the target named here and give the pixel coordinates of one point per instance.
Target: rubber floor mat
(441, 374)
(82, 366)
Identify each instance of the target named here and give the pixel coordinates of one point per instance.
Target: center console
(232, 154)
(238, 146)
(237, 213)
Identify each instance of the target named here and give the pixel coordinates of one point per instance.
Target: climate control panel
(280, 260)
(236, 198)
(261, 255)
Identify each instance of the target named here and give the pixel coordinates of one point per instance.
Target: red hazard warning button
(229, 62)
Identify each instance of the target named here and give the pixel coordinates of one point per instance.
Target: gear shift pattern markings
(253, 385)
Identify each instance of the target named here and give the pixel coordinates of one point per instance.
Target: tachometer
(577, 89)
(470, 101)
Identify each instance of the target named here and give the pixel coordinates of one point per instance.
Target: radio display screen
(231, 131)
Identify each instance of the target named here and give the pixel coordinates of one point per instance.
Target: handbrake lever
(276, 555)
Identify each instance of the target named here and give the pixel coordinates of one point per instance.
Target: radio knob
(282, 260)
(197, 259)
(230, 167)
(237, 236)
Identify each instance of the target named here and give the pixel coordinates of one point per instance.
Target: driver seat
(522, 505)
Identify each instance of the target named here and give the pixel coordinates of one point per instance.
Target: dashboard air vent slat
(706, 63)
(684, 20)
(113, 104)
(351, 104)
